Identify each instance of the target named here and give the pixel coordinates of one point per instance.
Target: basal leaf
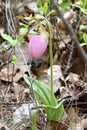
(54, 113)
(53, 109)
(43, 91)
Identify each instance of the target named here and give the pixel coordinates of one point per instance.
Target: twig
(71, 32)
(11, 29)
(61, 38)
(9, 17)
(67, 68)
(24, 59)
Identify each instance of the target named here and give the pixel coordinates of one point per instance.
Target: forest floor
(69, 74)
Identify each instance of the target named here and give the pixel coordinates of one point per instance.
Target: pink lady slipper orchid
(38, 44)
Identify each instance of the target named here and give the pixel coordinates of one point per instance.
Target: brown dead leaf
(57, 126)
(25, 50)
(72, 77)
(19, 73)
(20, 69)
(20, 17)
(57, 72)
(76, 122)
(64, 56)
(73, 119)
(5, 57)
(5, 76)
(29, 11)
(57, 75)
(16, 76)
(17, 91)
(62, 45)
(84, 123)
(2, 30)
(68, 16)
(26, 94)
(73, 86)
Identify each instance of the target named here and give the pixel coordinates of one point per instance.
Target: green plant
(14, 59)
(65, 4)
(83, 37)
(20, 39)
(44, 6)
(83, 6)
(8, 38)
(82, 34)
(33, 121)
(53, 110)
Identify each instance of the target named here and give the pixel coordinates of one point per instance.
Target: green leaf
(42, 90)
(32, 21)
(53, 109)
(23, 25)
(39, 18)
(84, 11)
(38, 11)
(14, 42)
(65, 4)
(54, 113)
(84, 37)
(45, 8)
(6, 37)
(4, 48)
(82, 27)
(23, 31)
(51, 12)
(83, 3)
(39, 3)
(21, 39)
(14, 59)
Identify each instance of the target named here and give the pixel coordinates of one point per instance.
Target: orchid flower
(38, 44)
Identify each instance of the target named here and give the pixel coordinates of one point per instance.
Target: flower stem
(51, 65)
(51, 57)
(51, 60)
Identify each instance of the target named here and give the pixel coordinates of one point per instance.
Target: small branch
(71, 32)
(67, 68)
(24, 59)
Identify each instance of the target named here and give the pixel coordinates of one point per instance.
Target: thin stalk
(51, 56)
(51, 59)
(51, 64)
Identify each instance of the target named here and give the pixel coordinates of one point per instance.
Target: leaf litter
(16, 97)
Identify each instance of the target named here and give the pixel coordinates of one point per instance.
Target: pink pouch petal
(38, 45)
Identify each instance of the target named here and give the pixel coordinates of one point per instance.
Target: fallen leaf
(57, 75)
(72, 77)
